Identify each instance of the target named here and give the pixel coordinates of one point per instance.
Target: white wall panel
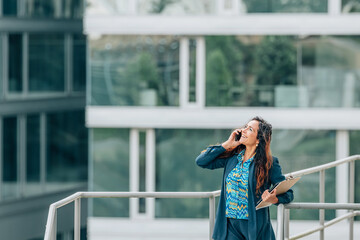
(226, 117)
(254, 24)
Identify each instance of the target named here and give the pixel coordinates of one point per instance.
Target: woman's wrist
(226, 145)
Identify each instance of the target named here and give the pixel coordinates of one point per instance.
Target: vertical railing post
(54, 226)
(280, 222)
(351, 182)
(351, 197)
(77, 215)
(211, 215)
(287, 224)
(322, 200)
(351, 228)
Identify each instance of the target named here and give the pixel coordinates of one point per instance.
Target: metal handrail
(283, 210)
(323, 166)
(50, 231)
(348, 206)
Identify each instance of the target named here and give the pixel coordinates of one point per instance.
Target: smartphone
(237, 137)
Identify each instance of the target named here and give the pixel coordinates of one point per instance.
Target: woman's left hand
(270, 197)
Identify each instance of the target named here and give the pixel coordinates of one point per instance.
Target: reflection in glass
(176, 151)
(32, 155)
(223, 56)
(15, 63)
(355, 150)
(1, 67)
(283, 71)
(10, 158)
(9, 7)
(176, 7)
(46, 63)
(43, 8)
(350, 6)
(142, 169)
(66, 149)
(134, 70)
(150, 7)
(110, 156)
(54, 8)
(300, 149)
(192, 69)
(107, 7)
(79, 62)
(73, 9)
(295, 149)
(278, 6)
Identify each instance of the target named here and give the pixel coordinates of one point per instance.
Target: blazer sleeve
(277, 176)
(209, 159)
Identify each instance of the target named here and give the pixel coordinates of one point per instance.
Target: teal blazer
(259, 227)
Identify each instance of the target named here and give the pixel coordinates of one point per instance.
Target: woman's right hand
(231, 143)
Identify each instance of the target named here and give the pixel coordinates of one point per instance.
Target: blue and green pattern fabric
(237, 189)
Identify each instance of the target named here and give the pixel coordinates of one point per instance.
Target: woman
(249, 170)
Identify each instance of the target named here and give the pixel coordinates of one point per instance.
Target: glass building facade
(122, 95)
(44, 141)
(161, 83)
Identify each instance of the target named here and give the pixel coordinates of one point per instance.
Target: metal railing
(50, 232)
(283, 216)
(283, 210)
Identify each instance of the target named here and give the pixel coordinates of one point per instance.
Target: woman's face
(249, 133)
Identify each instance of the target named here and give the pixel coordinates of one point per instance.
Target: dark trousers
(237, 229)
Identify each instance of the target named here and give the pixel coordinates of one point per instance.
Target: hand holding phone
(233, 140)
(238, 136)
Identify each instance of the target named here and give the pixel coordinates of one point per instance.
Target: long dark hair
(263, 158)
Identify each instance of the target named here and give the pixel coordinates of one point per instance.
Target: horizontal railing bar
(349, 206)
(66, 200)
(150, 194)
(328, 224)
(323, 167)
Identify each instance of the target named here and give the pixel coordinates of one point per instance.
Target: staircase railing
(50, 232)
(283, 217)
(283, 210)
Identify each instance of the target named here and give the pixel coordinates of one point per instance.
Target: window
(66, 149)
(283, 71)
(15, 63)
(355, 150)
(110, 156)
(176, 7)
(46, 63)
(73, 9)
(9, 7)
(278, 6)
(1, 67)
(32, 155)
(350, 6)
(300, 149)
(79, 62)
(54, 9)
(176, 150)
(10, 158)
(134, 70)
